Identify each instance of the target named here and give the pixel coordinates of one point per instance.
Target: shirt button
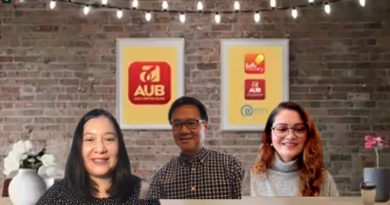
(193, 169)
(193, 188)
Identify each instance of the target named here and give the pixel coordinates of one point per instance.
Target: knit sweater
(283, 180)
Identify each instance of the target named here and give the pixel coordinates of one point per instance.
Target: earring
(272, 144)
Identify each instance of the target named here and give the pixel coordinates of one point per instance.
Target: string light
(134, 4)
(199, 6)
(119, 13)
(217, 18)
(86, 9)
(52, 4)
(256, 17)
(327, 8)
(182, 17)
(236, 6)
(148, 16)
(294, 13)
(164, 5)
(362, 3)
(272, 3)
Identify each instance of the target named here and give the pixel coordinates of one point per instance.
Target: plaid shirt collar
(199, 157)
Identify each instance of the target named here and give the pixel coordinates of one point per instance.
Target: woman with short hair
(98, 168)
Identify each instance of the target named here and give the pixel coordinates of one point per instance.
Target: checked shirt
(211, 175)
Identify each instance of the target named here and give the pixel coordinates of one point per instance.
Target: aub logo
(149, 83)
(254, 89)
(150, 73)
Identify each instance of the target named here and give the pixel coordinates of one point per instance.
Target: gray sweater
(283, 180)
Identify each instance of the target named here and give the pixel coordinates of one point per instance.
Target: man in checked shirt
(198, 172)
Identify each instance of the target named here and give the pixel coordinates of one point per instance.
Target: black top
(211, 175)
(60, 194)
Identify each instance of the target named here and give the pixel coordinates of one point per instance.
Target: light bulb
(164, 5)
(256, 16)
(294, 13)
(272, 3)
(119, 13)
(217, 18)
(104, 2)
(148, 16)
(86, 9)
(327, 8)
(52, 4)
(311, 1)
(362, 3)
(199, 6)
(134, 4)
(182, 17)
(236, 6)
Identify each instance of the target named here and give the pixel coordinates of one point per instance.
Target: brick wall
(57, 65)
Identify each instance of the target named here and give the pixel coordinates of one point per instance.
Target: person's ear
(206, 126)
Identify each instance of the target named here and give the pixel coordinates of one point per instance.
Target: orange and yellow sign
(150, 78)
(254, 81)
(254, 63)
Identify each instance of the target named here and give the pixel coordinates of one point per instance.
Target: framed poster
(254, 80)
(149, 78)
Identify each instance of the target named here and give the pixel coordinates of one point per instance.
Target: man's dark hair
(186, 100)
(77, 178)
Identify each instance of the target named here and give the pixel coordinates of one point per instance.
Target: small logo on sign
(149, 83)
(246, 111)
(150, 73)
(255, 89)
(254, 63)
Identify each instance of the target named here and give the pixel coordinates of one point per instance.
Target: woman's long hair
(76, 176)
(310, 161)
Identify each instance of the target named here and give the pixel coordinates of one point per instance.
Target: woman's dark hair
(185, 100)
(77, 178)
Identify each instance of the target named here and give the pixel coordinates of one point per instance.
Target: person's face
(99, 147)
(189, 139)
(288, 143)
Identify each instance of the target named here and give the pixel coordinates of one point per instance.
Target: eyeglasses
(190, 124)
(282, 130)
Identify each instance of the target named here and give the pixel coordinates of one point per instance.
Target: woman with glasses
(290, 157)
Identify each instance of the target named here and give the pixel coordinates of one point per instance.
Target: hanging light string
(199, 8)
(195, 10)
